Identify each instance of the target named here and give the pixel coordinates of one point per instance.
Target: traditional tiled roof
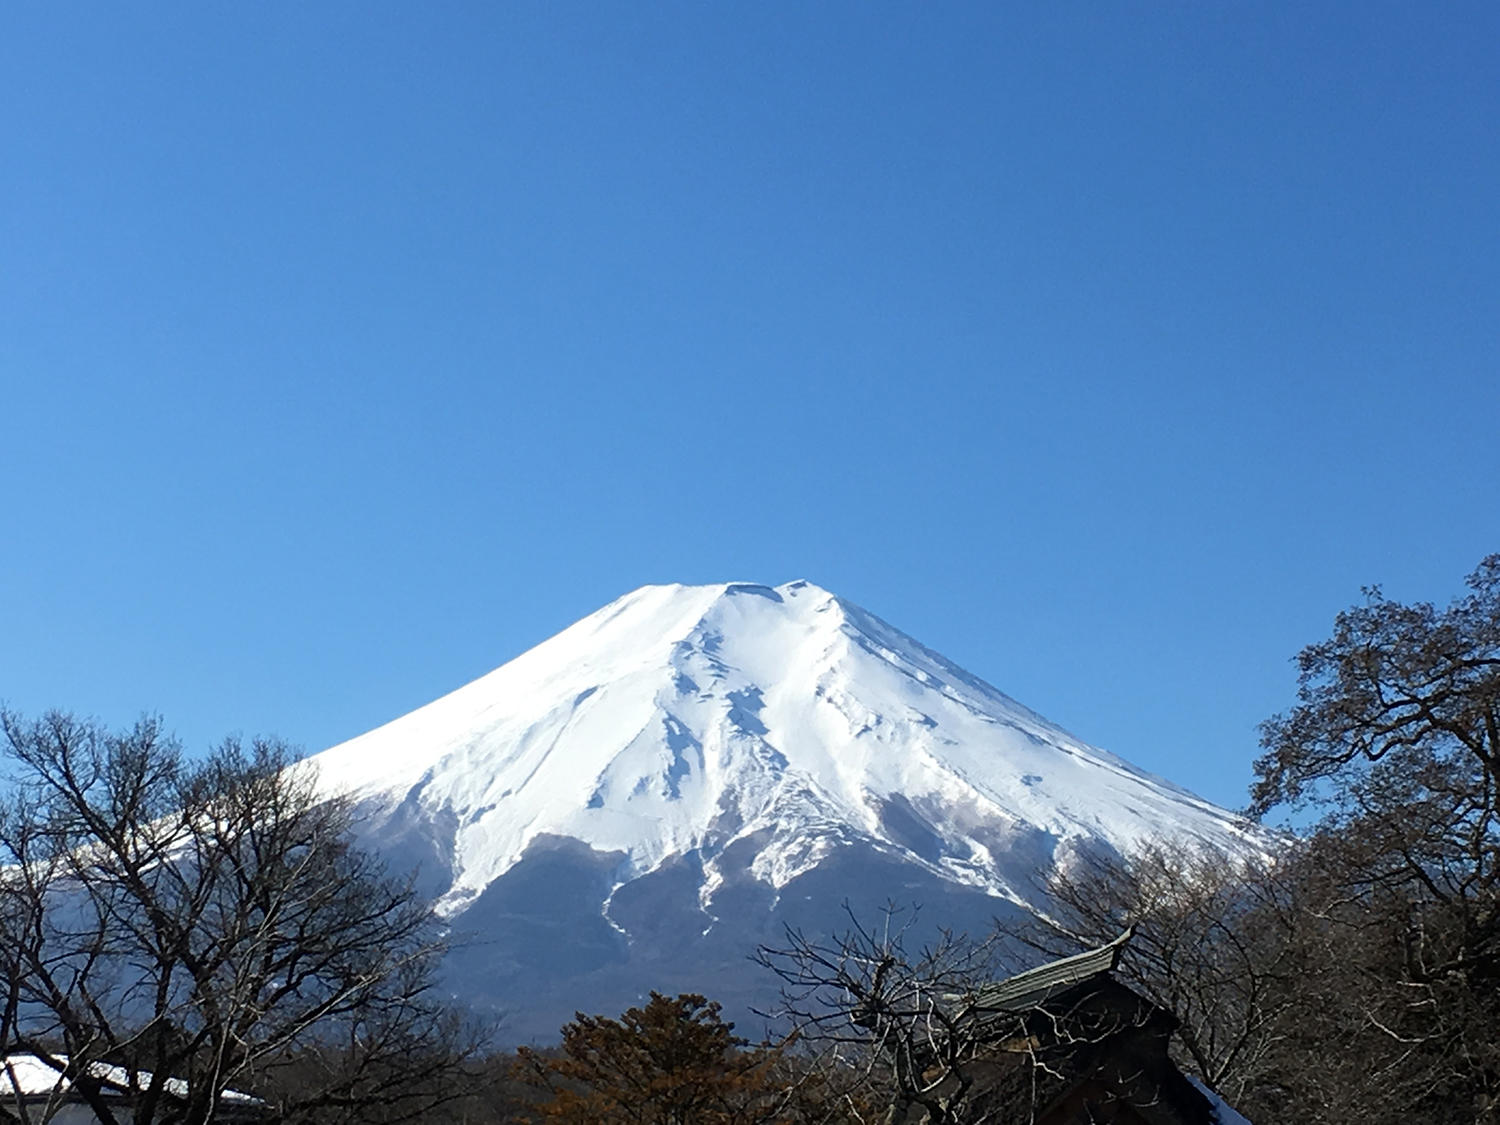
(1035, 986)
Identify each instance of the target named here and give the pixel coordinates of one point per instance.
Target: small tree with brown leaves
(674, 1062)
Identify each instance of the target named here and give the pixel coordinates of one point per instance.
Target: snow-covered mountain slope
(692, 745)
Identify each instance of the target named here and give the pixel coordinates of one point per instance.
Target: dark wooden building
(1068, 1044)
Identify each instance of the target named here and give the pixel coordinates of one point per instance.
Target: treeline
(1354, 974)
(214, 922)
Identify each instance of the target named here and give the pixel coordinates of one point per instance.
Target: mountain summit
(675, 776)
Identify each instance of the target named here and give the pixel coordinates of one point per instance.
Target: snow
(681, 719)
(33, 1078)
(1223, 1114)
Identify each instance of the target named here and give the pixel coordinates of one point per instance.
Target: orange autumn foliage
(671, 1062)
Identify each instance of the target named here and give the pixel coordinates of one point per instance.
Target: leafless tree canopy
(1356, 977)
(1396, 735)
(1212, 945)
(210, 922)
(896, 1015)
(923, 1028)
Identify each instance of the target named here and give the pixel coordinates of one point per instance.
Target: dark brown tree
(1396, 739)
(209, 926)
(675, 1062)
(1358, 1040)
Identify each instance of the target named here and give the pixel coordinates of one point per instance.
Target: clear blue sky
(349, 349)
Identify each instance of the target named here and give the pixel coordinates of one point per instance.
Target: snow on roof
(1223, 1113)
(32, 1077)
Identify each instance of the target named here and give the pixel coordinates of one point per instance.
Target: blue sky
(348, 350)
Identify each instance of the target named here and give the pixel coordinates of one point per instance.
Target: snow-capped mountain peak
(753, 730)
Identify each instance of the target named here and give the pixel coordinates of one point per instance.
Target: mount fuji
(640, 800)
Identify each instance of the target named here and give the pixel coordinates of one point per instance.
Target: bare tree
(1396, 735)
(1396, 738)
(934, 1032)
(889, 1012)
(1214, 944)
(207, 926)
